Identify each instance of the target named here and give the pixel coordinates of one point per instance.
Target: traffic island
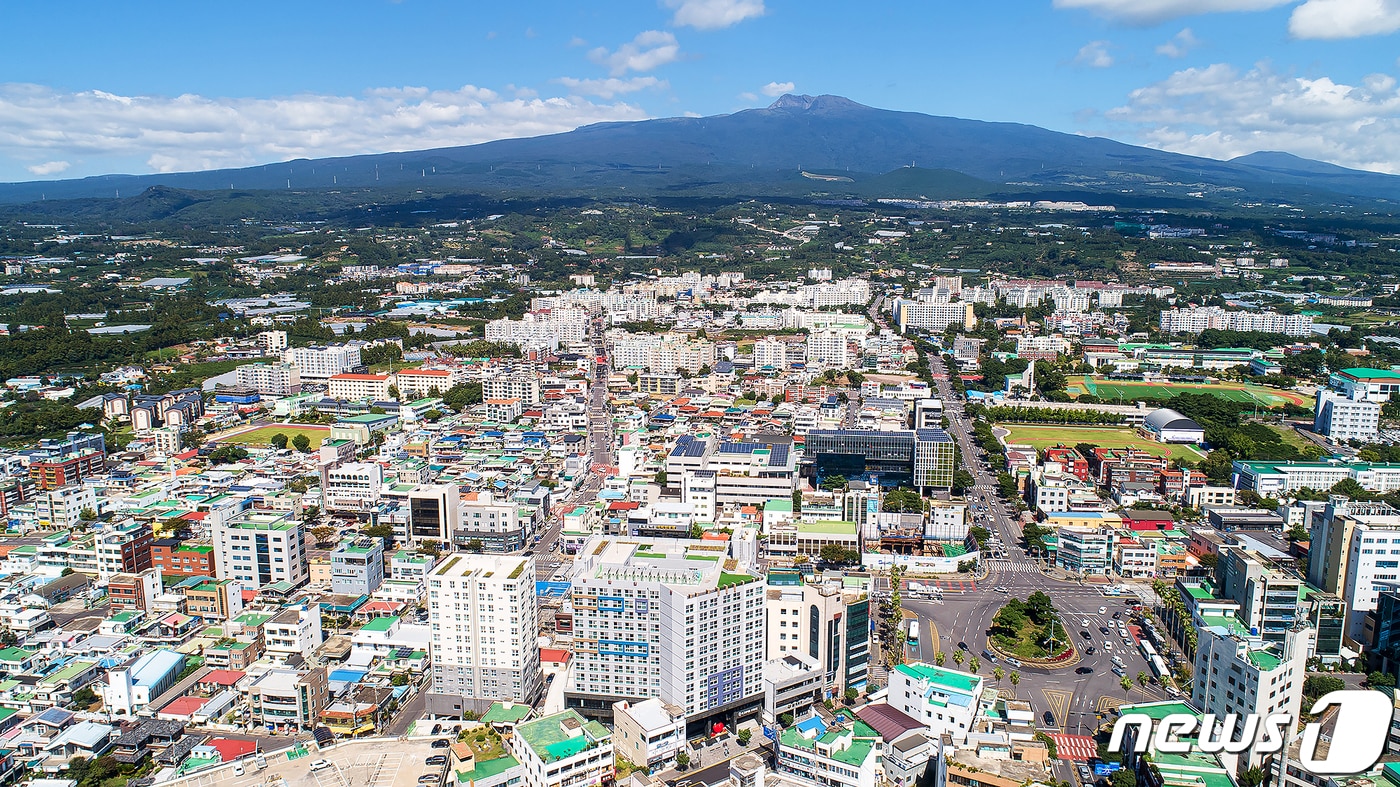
(1031, 632)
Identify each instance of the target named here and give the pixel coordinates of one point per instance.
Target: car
(1049, 718)
(1002, 589)
(1013, 662)
(238, 769)
(1085, 773)
(436, 729)
(1084, 671)
(442, 743)
(1104, 630)
(261, 762)
(436, 759)
(1090, 650)
(1084, 623)
(319, 765)
(989, 656)
(1108, 647)
(1086, 635)
(430, 778)
(1103, 610)
(1116, 614)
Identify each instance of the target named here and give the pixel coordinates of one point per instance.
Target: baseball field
(1132, 390)
(1042, 436)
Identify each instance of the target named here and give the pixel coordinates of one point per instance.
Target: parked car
(436, 759)
(442, 743)
(1103, 610)
(319, 765)
(238, 768)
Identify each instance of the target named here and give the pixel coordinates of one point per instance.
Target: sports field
(1042, 436)
(263, 434)
(1131, 390)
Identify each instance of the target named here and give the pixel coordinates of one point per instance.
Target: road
(1074, 696)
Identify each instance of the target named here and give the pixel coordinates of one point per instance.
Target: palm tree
(1015, 679)
(939, 658)
(1142, 679)
(958, 656)
(1127, 684)
(975, 664)
(998, 674)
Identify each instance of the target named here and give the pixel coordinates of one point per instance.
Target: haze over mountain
(799, 145)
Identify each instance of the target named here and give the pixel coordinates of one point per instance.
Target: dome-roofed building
(1168, 426)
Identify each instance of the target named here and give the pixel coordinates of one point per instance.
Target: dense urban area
(815, 493)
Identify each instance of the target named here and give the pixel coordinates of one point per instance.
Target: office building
(434, 513)
(485, 622)
(826, 623)
(921, 459)
(354, 487)
(497, 523)
(1085, 550)
(260, 548)
(666, 618)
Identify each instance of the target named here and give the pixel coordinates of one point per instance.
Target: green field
(1042, 436)
(1132, 390)
(263, 435)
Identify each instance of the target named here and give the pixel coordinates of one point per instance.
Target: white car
(1084, 623)
(1108, 646)
(238, 769)
(319, 765)
(1103, 610)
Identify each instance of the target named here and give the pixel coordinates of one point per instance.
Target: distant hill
(844, 149)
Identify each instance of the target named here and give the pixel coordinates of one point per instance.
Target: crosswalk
(1022, 566)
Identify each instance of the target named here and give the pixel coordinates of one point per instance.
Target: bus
(913, 638)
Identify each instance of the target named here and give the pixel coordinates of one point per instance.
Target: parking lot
(376, 762)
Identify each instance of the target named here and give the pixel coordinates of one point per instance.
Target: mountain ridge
(763, 151)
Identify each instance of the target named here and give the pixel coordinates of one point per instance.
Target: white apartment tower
(321, 363)
(260, 548)
(667, 618)
(484, 622)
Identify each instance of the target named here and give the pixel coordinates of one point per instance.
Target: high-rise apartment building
(321, 363)
(485, 624)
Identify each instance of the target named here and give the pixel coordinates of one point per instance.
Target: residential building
(357, 566)
(1195, 320)
(322, 363)
(497, 523)
(287, 700)
(293, 634)
(563, 750)
(648, 733)
(353, 487)
(843, 753)
(260, 548)
(1340, 417)
(484, 619)
(123, 546)
(932, 316)
(174, 558)
(280, 379)
(134, 591)
(666, 618)
(1237, 674)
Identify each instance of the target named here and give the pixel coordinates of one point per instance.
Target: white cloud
(778, 88)
(49, 168)
(195, 132)
(1344, 18)
(1151, 11)
(713, 14)
(1180, 44)
(650, 49)
(607, 88)
(747, 96)
(1217, 111)
(1094, 55)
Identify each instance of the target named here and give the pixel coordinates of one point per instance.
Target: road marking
(1058, 702)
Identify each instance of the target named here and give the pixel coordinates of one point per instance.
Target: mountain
(799, 146)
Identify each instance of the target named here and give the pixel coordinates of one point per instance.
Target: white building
(359, 387)
(1195, 320)
(825, 623)
(663, 617)
(770, 353)
(321, 363)
(524, 386)
(563, 750)
(260, 548)
(420, 383)
(484, 619)
(62, 508)
(648, 733)
(829, 348)
(495, 522)
(1340, 417)
(354, 486)
(294, 631)
(1239, 675)
(278, 379)
(933, 316)
(272, 342)
(948, 701)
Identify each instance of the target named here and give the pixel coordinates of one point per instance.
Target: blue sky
(166, 86)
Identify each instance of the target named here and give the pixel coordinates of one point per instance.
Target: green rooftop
(727, 579)
(949, 679)
(498, 714)
(1364, 373)
(828, 527)
(380, 624)
(551, 741)
(488, 768)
